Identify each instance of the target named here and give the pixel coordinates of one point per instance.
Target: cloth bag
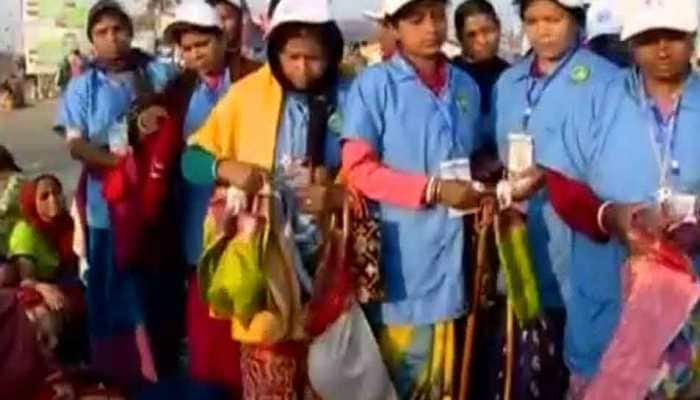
(344, 362)
(365, 251)
(659, 293)
(279, 317)
(516, 260)
(237, 287)
(333, 288)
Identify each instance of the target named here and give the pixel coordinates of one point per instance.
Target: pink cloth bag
(659, 294)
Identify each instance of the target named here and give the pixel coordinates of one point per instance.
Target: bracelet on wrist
(438, 190)
(601, 217)
(430, 191)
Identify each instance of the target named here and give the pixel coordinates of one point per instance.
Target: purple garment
(23, 364)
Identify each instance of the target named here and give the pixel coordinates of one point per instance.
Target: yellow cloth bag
(249, 277)
(243, 127)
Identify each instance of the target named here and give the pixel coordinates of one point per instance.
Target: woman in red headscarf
(47, 297)
(40, 247)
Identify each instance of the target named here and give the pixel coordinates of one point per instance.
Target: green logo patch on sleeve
(580, 73)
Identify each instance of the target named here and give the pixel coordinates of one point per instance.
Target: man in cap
(101, 115)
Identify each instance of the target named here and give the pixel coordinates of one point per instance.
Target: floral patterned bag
(365, 251)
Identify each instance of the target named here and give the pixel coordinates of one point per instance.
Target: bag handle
(343, 217)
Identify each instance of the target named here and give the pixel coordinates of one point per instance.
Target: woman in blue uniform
(633, 141)
(404, 119)
(529, 97)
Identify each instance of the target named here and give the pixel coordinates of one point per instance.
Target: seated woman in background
(45, 283)
(40, 248)
(40, 244)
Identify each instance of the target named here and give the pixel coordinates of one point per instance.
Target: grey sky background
(10, 15)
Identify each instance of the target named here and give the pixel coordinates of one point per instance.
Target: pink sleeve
(362, 168)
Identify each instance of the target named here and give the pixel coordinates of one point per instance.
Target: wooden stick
(510, 351)
(483, 224)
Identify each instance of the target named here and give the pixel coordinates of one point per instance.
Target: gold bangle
(430, 191)
(433, 190)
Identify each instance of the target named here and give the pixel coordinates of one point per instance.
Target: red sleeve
(361, 166)
(576, 204)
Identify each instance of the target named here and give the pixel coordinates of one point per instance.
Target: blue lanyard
(661, 135)
(533, 101)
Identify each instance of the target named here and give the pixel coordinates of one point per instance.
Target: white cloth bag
(345, 362)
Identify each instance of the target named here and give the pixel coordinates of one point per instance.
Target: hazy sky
(10, 18)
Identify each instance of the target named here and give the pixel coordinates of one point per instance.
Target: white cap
(307, 11)
(644, 15)
(193, 13)
(572, 3)
(388, 8)
(375, 16)
(237, 3)
(602, 19)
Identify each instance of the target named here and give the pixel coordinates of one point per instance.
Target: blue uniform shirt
(550, 98)
(413, 130)
(606, 144)
(91, 105)
(195, 198)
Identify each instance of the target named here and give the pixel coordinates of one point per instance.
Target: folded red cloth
(114, 183)
(120, 189)
(136, 190)
(162, 150)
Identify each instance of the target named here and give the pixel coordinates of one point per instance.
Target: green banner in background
(51, 29)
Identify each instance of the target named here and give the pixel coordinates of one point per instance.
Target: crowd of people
(420, 228)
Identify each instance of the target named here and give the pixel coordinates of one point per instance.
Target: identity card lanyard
(661, 138)
(532, 100)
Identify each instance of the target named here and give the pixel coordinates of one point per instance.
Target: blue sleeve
(160, 74)
(73, 107)
(571, 144)
(362, 110)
